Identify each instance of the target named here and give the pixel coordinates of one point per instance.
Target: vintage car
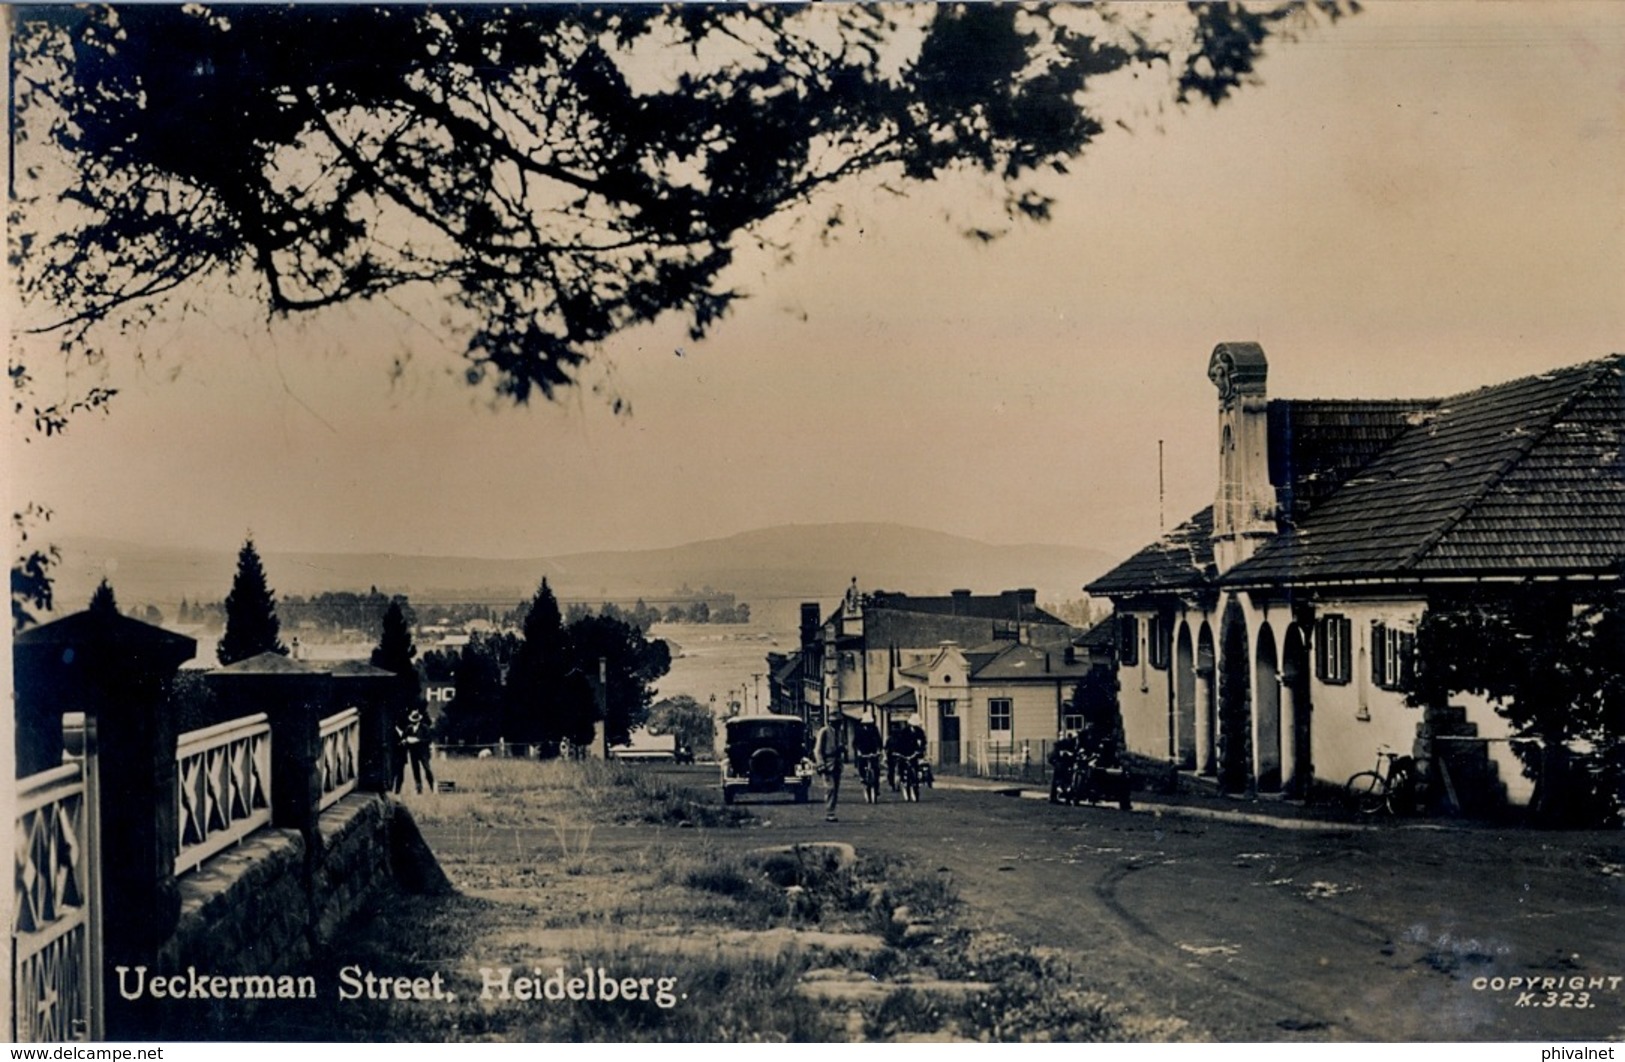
(765, 754)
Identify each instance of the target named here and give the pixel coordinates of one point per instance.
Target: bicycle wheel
(1366, 793)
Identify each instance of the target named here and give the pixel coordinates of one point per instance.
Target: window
(1159, 641)
(1333, 658)
(947, 707)
(1393, 650)
(999, 716)
(1071, 719)
(1128, 640)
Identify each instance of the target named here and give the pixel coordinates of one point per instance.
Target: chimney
(961, 602)
(809, 622)
(1244, 508)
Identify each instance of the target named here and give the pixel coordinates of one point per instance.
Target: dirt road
(1251, 932)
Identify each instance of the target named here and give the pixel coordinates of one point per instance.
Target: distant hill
(812, 561)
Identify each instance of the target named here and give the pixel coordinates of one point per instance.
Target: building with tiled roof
(1266, 640)
(872, 658)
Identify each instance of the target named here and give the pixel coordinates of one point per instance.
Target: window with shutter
(1128, 640)
(1333, 655)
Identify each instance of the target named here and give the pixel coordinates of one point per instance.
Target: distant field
(719, 658)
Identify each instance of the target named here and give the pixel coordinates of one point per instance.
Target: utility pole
(756, 677)
(1159, 487)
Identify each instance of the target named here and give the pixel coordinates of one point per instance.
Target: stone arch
(1183, 710)
(1207, 723)
(1298, 763)
(1235, 701)
(1267, 713)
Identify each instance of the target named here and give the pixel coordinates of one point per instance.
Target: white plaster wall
(1144, 696)
(1350, 721)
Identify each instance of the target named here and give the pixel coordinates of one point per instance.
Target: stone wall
(271, 907)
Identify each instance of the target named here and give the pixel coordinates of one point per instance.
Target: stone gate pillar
(295, 696)
(379, 695)
(116, 671)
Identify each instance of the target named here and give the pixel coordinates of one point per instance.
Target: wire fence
(1020, 761)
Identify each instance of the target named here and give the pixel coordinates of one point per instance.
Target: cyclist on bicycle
(907, 740)
(866, 750)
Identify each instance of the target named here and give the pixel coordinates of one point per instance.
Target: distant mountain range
(811, 561)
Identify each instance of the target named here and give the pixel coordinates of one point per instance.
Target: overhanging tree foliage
(1555, 669)
(554, 173)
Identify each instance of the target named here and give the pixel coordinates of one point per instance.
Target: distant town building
(970, 668)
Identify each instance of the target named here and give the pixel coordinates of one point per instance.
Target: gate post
(117, 670)
(295, 695)
(378, 694)
(79, 740)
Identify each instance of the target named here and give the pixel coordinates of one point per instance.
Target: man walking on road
(829, 750)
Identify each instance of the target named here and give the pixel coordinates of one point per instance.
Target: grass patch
(524, 792)
(735, 945)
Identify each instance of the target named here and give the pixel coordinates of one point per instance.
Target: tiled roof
(916, 630)
(1103, 635)
(1180, 560)
(1523, 478)
(1016, 661)
(1315, 445)
(1012, 605)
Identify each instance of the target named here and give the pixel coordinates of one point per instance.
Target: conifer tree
(251, 624)
(535, 681)
(103, 600)
(394, 652)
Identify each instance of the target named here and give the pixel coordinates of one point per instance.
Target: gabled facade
(1267, 641)
(992, 700)
(863, 658)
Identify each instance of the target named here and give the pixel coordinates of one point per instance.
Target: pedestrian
(829, 750)
(415, 737)
(398, 753)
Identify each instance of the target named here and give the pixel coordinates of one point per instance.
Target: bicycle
(869, 771)
(908, 776)
(1396, 789)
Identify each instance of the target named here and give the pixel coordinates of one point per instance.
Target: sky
(1417, 201)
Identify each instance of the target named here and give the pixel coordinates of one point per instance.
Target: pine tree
(535, 681)
(395, 651)
(103, 600)
(251, 624)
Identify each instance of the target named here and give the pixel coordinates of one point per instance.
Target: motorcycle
(1079, 779)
